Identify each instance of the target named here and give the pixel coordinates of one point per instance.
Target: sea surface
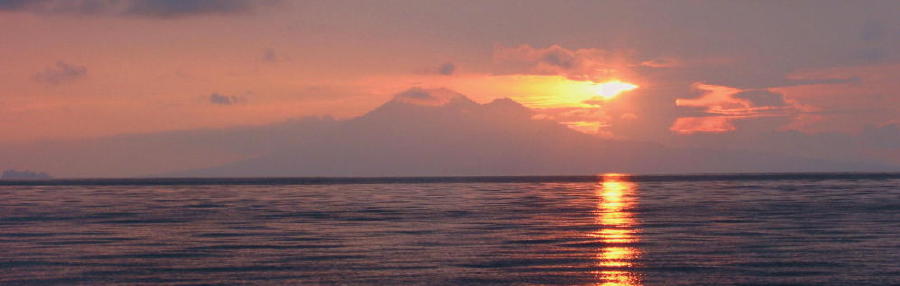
(763, 229)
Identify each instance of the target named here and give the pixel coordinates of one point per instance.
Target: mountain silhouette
(439, 132)
(420, 132)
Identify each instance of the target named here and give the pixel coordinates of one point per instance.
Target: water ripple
(615, 230)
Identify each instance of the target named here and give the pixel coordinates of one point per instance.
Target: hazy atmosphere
(129, 88)
(431, 142)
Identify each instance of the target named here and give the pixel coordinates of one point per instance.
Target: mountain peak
(429, 103)
(505, 103)
(431, 97)
(508, 106)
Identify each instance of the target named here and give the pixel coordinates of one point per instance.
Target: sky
(759, 75)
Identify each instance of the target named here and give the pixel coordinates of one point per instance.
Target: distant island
(419, 132)
(24, 175)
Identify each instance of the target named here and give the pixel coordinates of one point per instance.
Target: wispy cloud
(446, 69)
(219, 99)
(578, 64)
(269, 55)
(718, 106)
(585, 64)
(60, 73)
(162, 9)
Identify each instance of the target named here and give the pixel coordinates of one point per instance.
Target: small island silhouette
(23, 175)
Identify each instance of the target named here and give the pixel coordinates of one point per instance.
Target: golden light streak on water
(618, 231)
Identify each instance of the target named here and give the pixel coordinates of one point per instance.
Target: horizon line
(339, 180)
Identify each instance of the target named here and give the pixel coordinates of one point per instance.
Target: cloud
(430, 97)
(738, 103)
(219, 99)
(416, 94)
(61, 73)
(761, 97)
(691, 125)
(587, 64)
(793, 80)
(718, 106)
(662, 63)
(869, 98)
(579, 64)
(80, 7)
(164, 9)
(446, 69)
(270, 56)
(716, 99)
(12, 5)
(590, 120)
(180, 8)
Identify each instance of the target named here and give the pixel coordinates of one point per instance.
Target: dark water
(761, 230)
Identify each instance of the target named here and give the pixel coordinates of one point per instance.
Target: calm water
(835, 230)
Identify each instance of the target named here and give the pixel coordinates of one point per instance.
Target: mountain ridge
(441, 133)
(420, 132)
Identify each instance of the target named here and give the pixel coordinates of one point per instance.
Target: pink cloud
(578, 64)
(691, 125)
(846, 98)
(724, 104)
(716, 99)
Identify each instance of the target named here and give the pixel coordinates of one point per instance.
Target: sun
(611, 89)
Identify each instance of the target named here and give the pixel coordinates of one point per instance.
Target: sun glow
(611, 89)
(578, 104)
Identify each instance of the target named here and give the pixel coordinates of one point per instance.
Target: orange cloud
(578, 64)
(716, 99)
(663, 63)
(722, 104)
(691, 125)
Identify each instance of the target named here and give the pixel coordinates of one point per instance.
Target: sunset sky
(688, 73)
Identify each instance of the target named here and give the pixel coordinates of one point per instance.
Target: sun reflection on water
(618, 231)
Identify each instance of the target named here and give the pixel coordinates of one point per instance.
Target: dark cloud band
(162, 9)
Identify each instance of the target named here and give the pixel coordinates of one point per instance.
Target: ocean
(719, 229)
